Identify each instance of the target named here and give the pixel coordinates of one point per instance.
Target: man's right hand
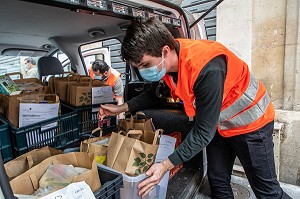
(111, 109)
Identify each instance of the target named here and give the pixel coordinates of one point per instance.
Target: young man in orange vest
(233, 112)
(101, 71)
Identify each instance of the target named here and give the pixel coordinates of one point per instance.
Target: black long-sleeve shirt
(208, 90)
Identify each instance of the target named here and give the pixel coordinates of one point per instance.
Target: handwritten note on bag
(73, 191)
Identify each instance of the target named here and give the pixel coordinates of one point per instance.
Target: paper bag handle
(15, 73)
(157, 134)
(29, 161)
(30, 90)
(42, 96)
(131, 117)
(135, 132)
(34, 181)
(122, 132)
(140, 113)
(95, 130)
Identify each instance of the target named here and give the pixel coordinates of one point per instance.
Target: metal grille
(199, 7)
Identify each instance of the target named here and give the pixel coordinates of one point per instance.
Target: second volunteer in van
(101, 71)
(233, 112)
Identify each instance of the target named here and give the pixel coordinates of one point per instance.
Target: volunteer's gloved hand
(111, 109)
(155, 173)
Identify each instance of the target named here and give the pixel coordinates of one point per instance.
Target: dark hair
(145, 37)
(30, 60)
(100, 65)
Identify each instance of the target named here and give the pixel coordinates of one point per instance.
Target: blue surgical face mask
(26, 67)
(102, 77)
(152, 74)
(98, 77)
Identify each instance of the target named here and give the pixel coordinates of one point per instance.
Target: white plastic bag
(60, 175)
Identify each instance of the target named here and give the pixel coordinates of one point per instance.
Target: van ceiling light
(138, 13)
(98, 4)
(96, 32)
(166, 20)
(70, 1)
(150, 15)
(47, 46)
(177, 22)
(107, 7)
(119, 8)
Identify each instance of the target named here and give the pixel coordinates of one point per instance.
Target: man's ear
(166, 50)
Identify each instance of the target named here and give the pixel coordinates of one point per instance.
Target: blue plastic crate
(57, 132)
(111, 183)
(88, 118)
(5, 143)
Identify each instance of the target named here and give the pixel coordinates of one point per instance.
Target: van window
(107, 50)
(19, 64)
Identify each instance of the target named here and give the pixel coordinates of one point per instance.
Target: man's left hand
(155, 173)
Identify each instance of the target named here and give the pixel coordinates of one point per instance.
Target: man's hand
(111, 109)
(155, 173)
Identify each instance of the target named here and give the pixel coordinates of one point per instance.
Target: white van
(77, 32)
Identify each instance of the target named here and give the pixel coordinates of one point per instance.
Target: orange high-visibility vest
(246, 105)
(111, 80)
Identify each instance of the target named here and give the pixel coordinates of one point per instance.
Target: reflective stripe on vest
(248, 116)
(244, 101)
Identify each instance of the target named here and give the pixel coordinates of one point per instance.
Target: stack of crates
(58, 132)
(5, 143)
(88, 118)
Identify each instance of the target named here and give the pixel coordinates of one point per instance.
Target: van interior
(77, 32)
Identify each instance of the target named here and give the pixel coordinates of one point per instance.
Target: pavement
(242, 189)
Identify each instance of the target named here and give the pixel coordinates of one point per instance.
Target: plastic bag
(60, 175)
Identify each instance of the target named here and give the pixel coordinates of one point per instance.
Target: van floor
(185, 184)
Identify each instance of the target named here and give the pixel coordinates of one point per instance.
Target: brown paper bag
(99, 150)
(26, 161)
(142, 122)
(132, 156)
(62, 89)
(125, 124)
(28, 182)
(52, 83)
(61, 85)
(81, 93)
(137, 122)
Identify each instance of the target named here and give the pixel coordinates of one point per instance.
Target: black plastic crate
(57, 132)
(5, 144)
(88, 118)
(111, 183)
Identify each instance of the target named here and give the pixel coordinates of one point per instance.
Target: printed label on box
(32, 113)
(102, 94)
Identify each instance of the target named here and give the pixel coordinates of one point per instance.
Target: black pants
(255, 152)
